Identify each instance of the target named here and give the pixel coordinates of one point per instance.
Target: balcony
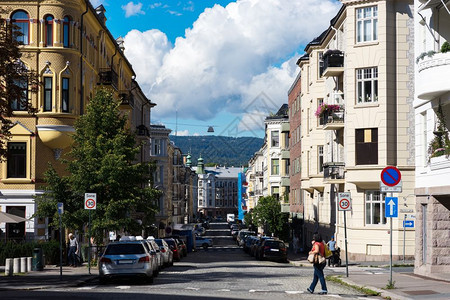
(333, 63)
(126, 98)
(432, 80)
(336, 98)
(107, 76)
(334, 120)
(285, 181)
(142, 131)
(259, 174)
(333, 172)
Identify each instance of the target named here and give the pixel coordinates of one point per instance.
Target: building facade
(71, 49)
(432, 117)
(356, 115)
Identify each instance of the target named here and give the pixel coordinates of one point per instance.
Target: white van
(230, 218)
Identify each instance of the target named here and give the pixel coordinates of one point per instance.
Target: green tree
(102, 161)
(268, 215)
(15, 80)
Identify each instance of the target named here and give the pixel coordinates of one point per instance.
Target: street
(221, 272)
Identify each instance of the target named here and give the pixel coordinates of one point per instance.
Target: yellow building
(67, 43)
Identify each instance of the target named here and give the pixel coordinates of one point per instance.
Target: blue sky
(217, 63)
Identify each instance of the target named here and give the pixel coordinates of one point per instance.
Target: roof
(223, 172)
(282, 113)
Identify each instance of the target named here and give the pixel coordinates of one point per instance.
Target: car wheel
(103, 280)
(149, 279)
(205, 246)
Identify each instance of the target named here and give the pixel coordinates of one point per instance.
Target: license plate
(276, 250)
(125, 261)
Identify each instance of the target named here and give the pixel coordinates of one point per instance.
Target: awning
(433, 4)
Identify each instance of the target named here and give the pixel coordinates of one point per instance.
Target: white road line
(87, 288)
(224, 290)
(123, 287)
(258, 291)
(294, 292)
(192, 288)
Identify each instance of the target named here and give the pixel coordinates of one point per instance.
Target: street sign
(391, 207)
(90, 201)
(60, 208)
(391, 176)
(344, 201)
(408, 224)
(391, 189)
(406, 210)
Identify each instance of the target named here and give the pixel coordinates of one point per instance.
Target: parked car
(157, 252)
(257, 246)
(203, 242)
(241, 235)
(175, 247)
(273, 250)
(234, 230)
(166, 253)
(248, 241)
(124, 259)
(199, 229)
(182, 243)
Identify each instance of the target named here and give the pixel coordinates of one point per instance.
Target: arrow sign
(391, 207)
(408, 224)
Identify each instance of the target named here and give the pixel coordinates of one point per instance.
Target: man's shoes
(322, 292)
(310, 291)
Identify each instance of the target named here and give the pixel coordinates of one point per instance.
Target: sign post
(391, 178)
(90, 203)
(344, 205)
(60, 212)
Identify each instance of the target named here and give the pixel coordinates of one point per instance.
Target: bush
(12, 249)
(445, 47)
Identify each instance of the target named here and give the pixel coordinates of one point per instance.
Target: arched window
(66, 32)
(21, 21)
(49, 31)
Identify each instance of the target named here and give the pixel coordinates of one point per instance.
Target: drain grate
(421, 292)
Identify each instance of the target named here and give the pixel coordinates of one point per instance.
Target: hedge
(13, 249)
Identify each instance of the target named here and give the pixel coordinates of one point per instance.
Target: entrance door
(16, 231)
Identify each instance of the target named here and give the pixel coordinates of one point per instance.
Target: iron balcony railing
(333, 117)
(333, 59)
(333, 170)
(107, 76)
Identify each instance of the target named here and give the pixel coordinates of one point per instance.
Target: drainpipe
(81, 58)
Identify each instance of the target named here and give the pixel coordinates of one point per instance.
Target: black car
(273, 250)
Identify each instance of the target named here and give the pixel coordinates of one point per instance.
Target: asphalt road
(221, 272)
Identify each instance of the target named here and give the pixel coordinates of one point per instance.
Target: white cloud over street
(230, 56)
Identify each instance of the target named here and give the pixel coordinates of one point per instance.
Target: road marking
(294, 292)
(258, 291)
(87, 287)
(123, 287)
(224, 290)
(192, 288)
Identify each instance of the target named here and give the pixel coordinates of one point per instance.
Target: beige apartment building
(357, 118)
(68, 44)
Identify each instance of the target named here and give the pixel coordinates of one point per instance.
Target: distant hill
(220, 150)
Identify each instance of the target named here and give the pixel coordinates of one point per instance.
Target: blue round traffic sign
(391, 176)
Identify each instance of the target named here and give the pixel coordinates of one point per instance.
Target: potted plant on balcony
(445, 47)
(440, 144)
(326, 109)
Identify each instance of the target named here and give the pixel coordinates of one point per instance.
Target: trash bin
(37, 261)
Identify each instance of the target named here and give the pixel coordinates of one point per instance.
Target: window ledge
(363, 105)
(16, 180)
(364, 44)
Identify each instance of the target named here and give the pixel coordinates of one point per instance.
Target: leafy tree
(13, 76)
(102, 161)
(268, 215)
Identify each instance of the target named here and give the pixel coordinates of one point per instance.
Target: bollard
(9, 267)
(16, 265)
(29, 260)
(23, 265)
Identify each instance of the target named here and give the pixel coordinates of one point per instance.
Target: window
(21, 21)
(286, 163)
(275, 167)
(65, 95)
(320, 63)
(367, 80)
(66, 32)
(366, 27)
(366, 146)
(275, 137)
(17, 161)
(49, 31)
(375, 208)
(322, 117)
(48, 93)
(276, 192)
(320, 158)
(19, 104)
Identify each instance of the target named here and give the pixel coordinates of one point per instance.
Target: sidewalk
(375, 276)
(48, 278)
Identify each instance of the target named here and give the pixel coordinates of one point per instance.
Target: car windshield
(117, 249)
(274, 244)
(159, 242)
(171, 243)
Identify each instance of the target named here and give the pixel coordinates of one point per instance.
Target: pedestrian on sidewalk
(73, 251)
(332, 246)
(318, 249)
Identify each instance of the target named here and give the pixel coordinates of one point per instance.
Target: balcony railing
(126, 98)
(333, 170)
(107, 76)
(142, 130)
(333, 120)
(336, 98)
(259, 173)
(333, 63)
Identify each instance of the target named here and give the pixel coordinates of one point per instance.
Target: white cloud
(96, 3)
(229, 57)
(155, 5)
(132, 9)
(189, 6)
(175, 13)
(181, 133)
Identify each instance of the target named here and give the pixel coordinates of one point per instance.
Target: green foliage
(268, 215)
(12, 249)
(390, 285)
(423, 54)
(445, 47)
(219, 150)
(102, 161)
(365, 290)
(440, 144)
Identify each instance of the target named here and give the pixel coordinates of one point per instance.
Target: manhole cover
(421, 292)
